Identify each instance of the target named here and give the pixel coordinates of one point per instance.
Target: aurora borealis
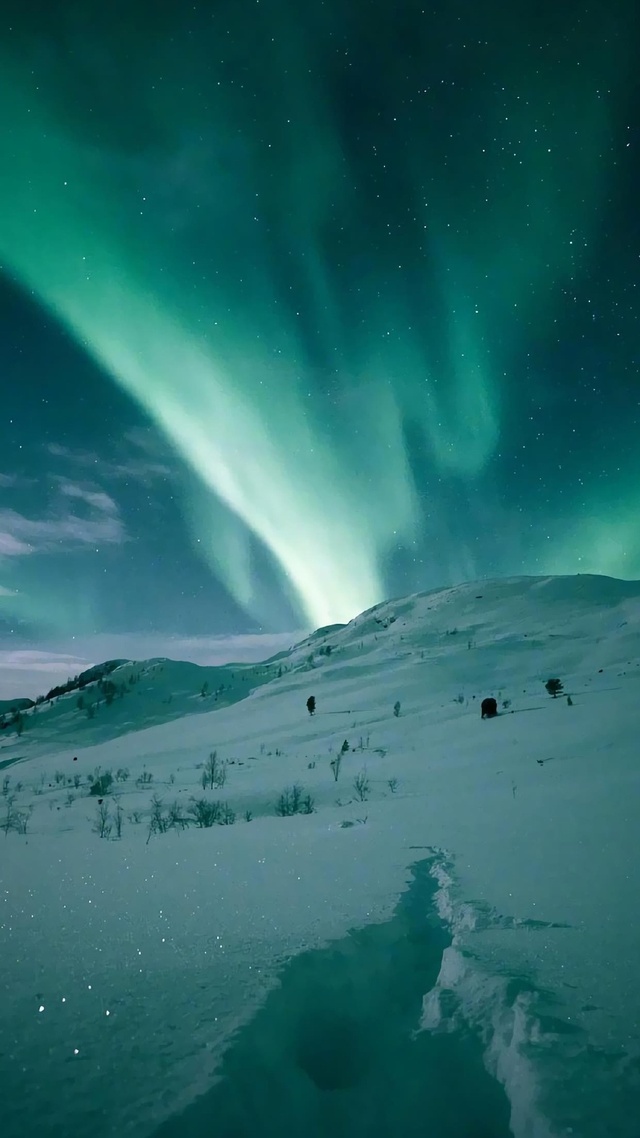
(352, 287)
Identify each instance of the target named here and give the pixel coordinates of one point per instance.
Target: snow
(160, 961)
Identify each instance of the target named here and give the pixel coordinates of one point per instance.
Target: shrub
(176, 820)
(554, 687)
(122, 774)
(392, 783)
(396, 708)
(361, 785)
(145, 778)
(204, 812)
(158, 824)
(290, 801)
(5, 785)
(101, 784)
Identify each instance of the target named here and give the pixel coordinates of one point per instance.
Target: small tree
(569, 701)
(345, 747)
(118, 817)
(214, 773)
(554, 687)
(311, 705)
(335, 765)
(102, 823)
(396, 708)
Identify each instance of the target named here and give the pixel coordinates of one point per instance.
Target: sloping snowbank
(534, 817)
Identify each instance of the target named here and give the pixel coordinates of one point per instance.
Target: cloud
(144, 470)
(27, 672)
(14, 481)
(10, 545)
(97, 499)
(62, 529)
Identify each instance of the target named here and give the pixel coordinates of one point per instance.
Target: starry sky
(303, 306)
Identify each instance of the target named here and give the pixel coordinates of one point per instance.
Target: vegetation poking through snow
(361, 785)
(554, 687)
(293, 800)
(214, 773)
(100, 783)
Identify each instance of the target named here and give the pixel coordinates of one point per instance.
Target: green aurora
(206, 221)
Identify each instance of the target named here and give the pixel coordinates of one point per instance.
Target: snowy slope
(133, 965)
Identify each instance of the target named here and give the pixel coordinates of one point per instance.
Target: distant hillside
(8, 706)
(120, 696)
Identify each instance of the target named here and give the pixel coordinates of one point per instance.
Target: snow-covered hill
(109, 700)
(173, 978)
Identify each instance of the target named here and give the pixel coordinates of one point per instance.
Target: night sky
(305, 305)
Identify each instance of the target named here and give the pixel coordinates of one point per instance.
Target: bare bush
(361, 785)
(294, 801)
(158, 824)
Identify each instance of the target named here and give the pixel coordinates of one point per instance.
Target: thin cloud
(97, 499)
(144, 470)
(62, 529)
(10, 545)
